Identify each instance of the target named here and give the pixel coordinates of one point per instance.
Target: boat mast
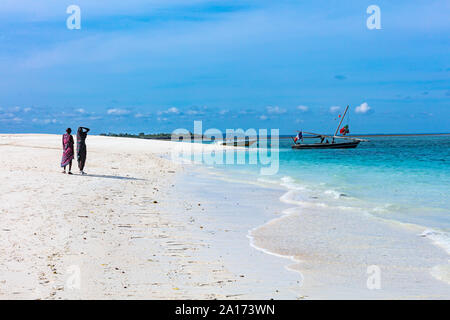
(342, 119)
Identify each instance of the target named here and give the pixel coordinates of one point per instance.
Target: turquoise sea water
(406, 179)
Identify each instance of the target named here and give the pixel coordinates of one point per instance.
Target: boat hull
(343, 145)
(246, 143)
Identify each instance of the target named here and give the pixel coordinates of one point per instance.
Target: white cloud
(197, 111)
(246, 111)
(7, 115)
(81, 110)
(303, 108)
(334, 109)
(363, 108)
(224, 111)
(117, 112)
(8, 120)
(172, 110)
(44, 121)
(263, 117)
(11, 111)
(275, 110)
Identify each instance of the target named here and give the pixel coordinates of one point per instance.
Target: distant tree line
(142, 135)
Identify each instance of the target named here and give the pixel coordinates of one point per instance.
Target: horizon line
(281, 135)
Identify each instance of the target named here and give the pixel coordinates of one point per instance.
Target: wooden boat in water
(338, 145)
(348, 143)
(238, 143)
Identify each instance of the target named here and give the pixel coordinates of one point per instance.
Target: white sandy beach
(141, 226)
(121, 230)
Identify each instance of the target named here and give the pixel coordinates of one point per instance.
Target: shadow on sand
(111, 177)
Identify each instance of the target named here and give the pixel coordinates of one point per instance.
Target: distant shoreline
(387, 135)
(399, 134)
(167, 136)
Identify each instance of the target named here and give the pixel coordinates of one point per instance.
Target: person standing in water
(81, 147)
(67, 157)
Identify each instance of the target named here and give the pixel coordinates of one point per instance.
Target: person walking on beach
(81, 147)
(67, 157)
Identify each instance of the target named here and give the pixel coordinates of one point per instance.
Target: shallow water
(405, 179)
(384, 203)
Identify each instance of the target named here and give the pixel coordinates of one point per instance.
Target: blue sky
(154, 66)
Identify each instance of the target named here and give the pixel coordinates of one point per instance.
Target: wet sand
(338, 251)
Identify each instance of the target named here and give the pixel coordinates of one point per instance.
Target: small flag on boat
(344, 130)
(299, 136)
